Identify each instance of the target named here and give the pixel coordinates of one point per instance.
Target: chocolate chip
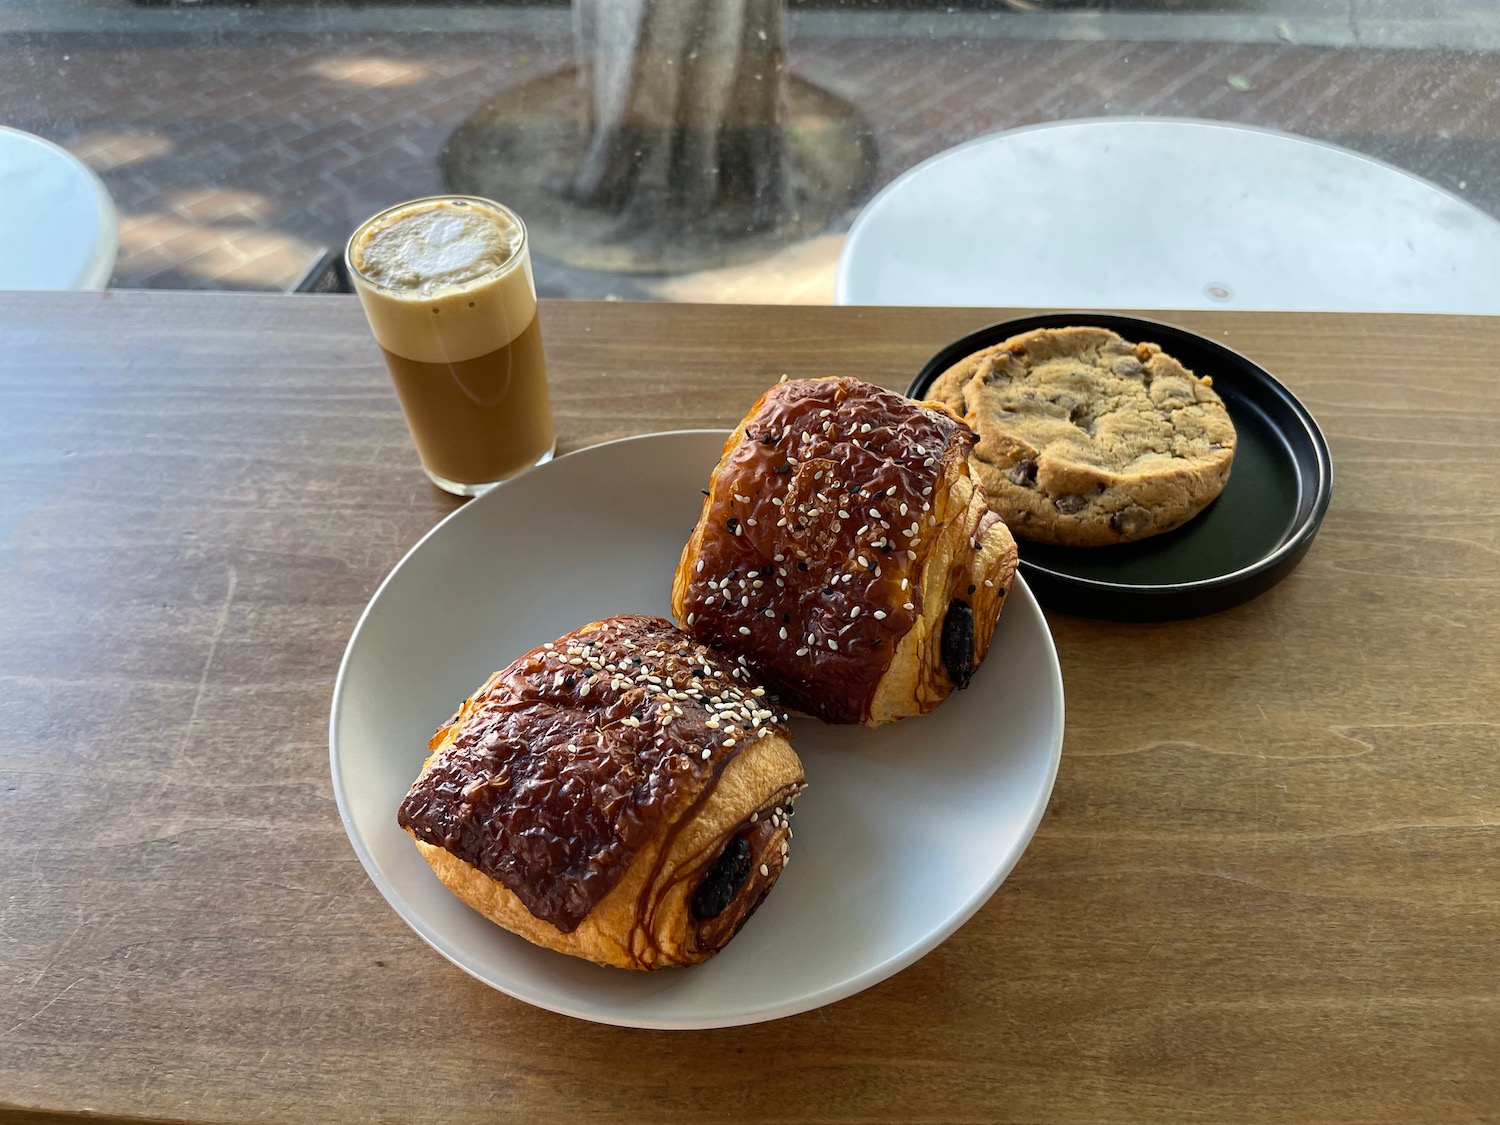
(1126, 366)
(1022, 473)
(723, 880)
(1130, 521)
(1071, 503)
(958, 642)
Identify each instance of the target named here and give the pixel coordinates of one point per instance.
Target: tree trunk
(686, 108)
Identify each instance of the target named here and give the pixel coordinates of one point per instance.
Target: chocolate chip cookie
(1086, 439)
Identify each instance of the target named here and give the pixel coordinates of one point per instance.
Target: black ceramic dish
(1246, 541)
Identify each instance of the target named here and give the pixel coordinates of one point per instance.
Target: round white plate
(904, 831)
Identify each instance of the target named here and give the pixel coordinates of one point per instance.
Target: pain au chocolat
(621, 794)
(844, 551)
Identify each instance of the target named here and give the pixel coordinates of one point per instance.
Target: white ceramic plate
(903, 833)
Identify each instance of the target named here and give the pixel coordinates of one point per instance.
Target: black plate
(1246, 541)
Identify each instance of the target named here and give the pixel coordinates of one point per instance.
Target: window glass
(241, 142)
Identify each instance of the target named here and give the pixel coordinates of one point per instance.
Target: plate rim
(832, 993)
(1298, 538)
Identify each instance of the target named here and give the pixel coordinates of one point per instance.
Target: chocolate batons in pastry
(621, 794)
(844, 551)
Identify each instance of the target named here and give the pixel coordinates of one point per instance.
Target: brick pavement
(235, 158)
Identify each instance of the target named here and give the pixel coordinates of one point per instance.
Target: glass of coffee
(447, 287)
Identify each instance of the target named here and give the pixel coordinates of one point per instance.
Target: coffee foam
(443, 280)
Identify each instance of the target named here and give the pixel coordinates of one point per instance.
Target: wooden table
(1267, 888)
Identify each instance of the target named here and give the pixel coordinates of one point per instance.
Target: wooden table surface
(1267, 888)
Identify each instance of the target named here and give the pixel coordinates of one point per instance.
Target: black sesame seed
(704, 491)
(782, 469)
(733, 526)
(802, 566)
(887, 549)
(971, 587)
(881, 495)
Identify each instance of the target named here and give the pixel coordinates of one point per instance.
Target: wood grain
(1265, 890)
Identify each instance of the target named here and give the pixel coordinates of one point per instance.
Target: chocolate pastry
(621, 794)
(1086, 439)
(845, 553)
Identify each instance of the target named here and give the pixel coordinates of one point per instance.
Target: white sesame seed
(548, 645)
(802, 652)
(843, 515)
(751, 521)
(874, 515)
(707, 753)
(912, 555)
(833, 644)
(908, 605)
(989, 581)
(854, 612)
(783, 632)
(745, 601)
(700, 571)
(864, 428)
(905, 583)
(742, 499)
(744, 632)
(879, 615)
(861, 560)
(728, 742)
(903, 509)
(764, 870)
(811, 639)
(757, 691)
(691, 618)
(754, 817)
(824, 413)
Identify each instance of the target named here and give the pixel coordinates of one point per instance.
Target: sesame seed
(783, 632)
(754, 817)
(757, 691)
(700, 571)
(843, 515)
(742, 499)
(874, 515)
(707, 753)
(728, 742)
(989, 582)
(548, 645)
(751, 521)
(802, 652)
(691, 618)
(904, 583)
(879, 615)
(745, 601)
(854, 612)
(764, 870)
(903, 509)
(824, 413)
(744, 632)
(908, 605)
(833, 644)
(862, 562)
(864, 428)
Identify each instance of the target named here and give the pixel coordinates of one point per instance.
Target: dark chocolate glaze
(817, 518)
(571, 759)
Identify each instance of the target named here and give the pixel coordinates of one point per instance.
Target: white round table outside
(1163, 213)
(57, 222)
